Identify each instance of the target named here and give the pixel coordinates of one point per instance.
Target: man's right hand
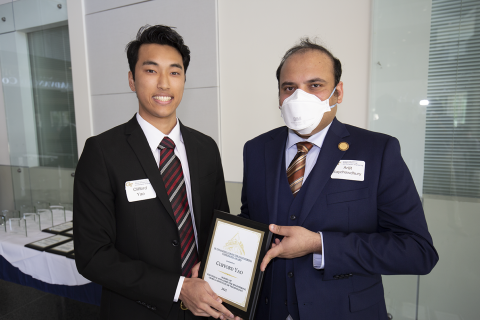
(200, 299)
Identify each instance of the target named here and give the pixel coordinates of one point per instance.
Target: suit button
(175, 243)
(290, 274)
(292, 217)
(285, 302)
(266, 300)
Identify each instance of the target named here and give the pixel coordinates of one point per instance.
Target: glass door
(425, 90)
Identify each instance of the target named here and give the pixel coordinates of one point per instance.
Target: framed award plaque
(62, 249)
(42, 245)
(231, 262)
(68, 233)
(60, 228)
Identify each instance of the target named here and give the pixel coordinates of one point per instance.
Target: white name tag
(139, 190)
(349, 170)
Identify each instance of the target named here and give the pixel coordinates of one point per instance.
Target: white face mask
(303, 111)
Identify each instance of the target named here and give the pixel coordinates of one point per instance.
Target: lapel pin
(343, 146)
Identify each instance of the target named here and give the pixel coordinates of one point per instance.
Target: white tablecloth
(44, 266)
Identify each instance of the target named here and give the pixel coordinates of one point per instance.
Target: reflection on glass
(51, 71)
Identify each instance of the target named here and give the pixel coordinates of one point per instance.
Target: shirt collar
(155, 136)
(317, 139)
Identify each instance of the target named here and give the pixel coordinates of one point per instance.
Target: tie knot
(166, 143)
(304, 147)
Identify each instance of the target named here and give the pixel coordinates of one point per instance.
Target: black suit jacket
(128, 247)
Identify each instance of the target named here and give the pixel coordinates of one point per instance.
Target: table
(42, 270)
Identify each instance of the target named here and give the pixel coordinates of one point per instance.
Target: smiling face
(312, 72)
(159, 83)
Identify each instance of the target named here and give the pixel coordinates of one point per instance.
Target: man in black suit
(144, 196)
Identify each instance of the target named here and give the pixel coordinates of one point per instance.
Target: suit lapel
(274, 154)
(327, 160)
(137, 140)
(192, 149)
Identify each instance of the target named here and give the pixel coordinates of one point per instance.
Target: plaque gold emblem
(234, 245)
(343, 146)
(128, 184)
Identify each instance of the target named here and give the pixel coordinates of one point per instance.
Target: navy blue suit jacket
(371, 227)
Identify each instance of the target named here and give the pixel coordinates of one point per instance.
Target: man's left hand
(296, 242)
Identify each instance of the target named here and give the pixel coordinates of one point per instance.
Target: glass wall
(36, 73)
(53, 97)
(425, 84)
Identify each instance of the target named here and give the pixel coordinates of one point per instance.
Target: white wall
(254, 35)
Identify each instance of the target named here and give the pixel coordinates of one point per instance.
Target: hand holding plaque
(197, 296)
(231, 264)
(297, 242)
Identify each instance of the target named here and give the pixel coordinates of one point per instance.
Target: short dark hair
(158, 34)
(305, 45)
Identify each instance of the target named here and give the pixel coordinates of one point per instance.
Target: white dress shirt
(154, 137)
(310, 161)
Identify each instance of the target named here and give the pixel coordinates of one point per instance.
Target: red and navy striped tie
(172, 175)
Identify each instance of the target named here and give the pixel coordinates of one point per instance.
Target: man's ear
(340, 92)
(131, 82)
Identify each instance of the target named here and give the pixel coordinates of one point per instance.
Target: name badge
(349, 170)
(139, 190)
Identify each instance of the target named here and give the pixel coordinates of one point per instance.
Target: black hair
(158, 34)
(305, 45)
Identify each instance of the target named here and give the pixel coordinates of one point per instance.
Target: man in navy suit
(340, 200)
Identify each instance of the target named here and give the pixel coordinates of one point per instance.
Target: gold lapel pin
(343, 146)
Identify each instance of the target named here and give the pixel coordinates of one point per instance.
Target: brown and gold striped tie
(296, 169)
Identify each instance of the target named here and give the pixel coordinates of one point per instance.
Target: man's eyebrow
(176, 65)
(149, 62)
(287, 83)
(153, 63)
(315, 80)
